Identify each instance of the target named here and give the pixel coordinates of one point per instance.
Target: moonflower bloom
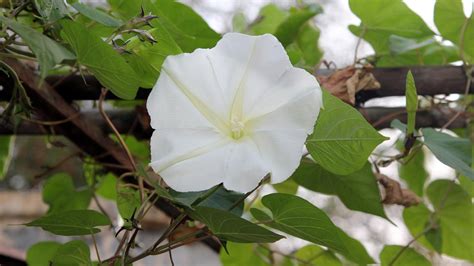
(231, 114)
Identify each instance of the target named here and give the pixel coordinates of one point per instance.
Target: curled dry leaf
(346, 82)
(394, 194)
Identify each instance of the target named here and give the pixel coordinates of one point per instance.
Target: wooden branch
(429, 81)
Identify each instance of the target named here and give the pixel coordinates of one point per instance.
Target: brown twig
(96, 200)
(51, 123)
(120, 139)
(57, 165)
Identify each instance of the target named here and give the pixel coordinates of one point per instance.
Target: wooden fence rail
(429, 81)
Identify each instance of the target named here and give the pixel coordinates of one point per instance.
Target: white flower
(231, 115)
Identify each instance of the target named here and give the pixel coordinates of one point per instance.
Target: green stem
(264, 179)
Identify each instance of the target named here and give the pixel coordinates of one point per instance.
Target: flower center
(237, 128)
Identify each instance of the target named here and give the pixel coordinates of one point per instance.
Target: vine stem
(359, 41)
(99, 205)
(468, 71)
(156, 249)
(466, 92)
(17, 56)
(248, 193)
(52, 123)
(401, 251)
(121, 141)
(305, 262)
(165, 235)
(96, 249)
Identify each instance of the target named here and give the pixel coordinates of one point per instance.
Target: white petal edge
(281, 134)
(169, 108)
(245, 167)
(246, 66)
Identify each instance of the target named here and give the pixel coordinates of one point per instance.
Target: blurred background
(20, 197)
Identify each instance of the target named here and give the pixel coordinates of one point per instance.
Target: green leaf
(146, 58)
(455, 212)
(139, 148)
(305, 52)
(230, 227)
(143, 68)
(107, 187)
(61, 195)
(453, 217)
(48, 52)
(51, 10)
(358, 191)
(239, 22)
(94, 28)
(452, 151)
(400, 45)
(288, 30)
(411, 102)
(398, 125)
(467, 184)
(414, 172)
(269, 18)
(409, 52)
(5, 142)
(97, 15)
(342, 139)
(317, 256)
(72, 223)
(240, 255)
(221, 199)
(126, 9)
(408, 257)
(41, 253)
(128, 201)
(298, 217)
(73, 253)
(382, 18)
(435, 238)
(186, 27)
(453, 25)
(101, 59)
(416, 219)
(289, 186)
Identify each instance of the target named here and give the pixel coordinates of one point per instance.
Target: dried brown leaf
(394, 194)
(345, 83)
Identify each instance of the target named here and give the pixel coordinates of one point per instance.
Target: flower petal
(245, 167)
(189, 160)
(293, 84)
(169, 108)
(280, 134)
(246, 66)
(281, 150)
(195, 76)
(298, 114)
